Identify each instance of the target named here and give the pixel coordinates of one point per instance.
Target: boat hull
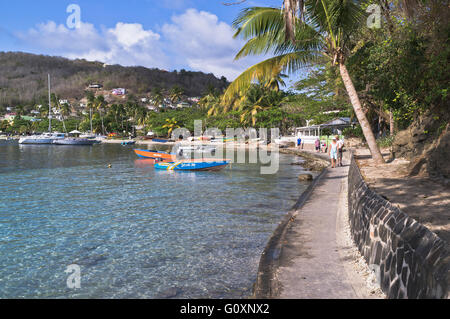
(76, 142)
(34, 141)
(155, 155)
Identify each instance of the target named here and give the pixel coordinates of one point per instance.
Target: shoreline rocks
(311, 161)
(305, 178)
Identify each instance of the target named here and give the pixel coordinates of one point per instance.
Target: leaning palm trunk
(367, 130)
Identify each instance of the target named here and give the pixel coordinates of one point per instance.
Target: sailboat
(46, 138)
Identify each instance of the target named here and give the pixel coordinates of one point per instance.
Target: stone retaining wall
(411, 261)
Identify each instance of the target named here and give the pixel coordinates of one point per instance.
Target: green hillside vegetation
(23, 78)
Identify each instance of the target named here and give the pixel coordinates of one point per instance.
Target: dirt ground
(424, 199)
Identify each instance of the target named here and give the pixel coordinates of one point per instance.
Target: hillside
(23, 78)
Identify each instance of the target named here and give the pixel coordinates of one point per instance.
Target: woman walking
(333, 152)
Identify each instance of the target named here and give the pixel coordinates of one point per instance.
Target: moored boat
(155, 155)
(46, 138)
(75, 141)
(192, 165)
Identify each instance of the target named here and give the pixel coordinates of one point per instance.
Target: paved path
(311, 265)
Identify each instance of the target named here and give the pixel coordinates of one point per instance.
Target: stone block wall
(410, 260)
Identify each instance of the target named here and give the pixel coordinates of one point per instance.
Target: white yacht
(46, 138)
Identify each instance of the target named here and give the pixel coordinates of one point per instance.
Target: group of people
(335, 150)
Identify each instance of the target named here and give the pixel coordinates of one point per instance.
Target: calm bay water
(135, 232)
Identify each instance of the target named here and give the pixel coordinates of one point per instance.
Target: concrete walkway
(311, 254)
(311, 265)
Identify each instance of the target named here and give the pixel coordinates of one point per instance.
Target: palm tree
(252, 104)
(157, 96)
(20, 110)
(171, 125)
(176, 94)
(309, 32)
(99, 105)
(90, 106)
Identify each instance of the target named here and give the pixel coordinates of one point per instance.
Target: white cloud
(206, 43)
(194, 39)
(129, 34)
(126, 44)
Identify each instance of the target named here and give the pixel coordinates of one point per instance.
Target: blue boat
(191, 165)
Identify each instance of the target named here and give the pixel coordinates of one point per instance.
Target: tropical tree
(4, 125)
(99, 105)
(212, 103)
(176, 93)
(157, 96)
(65, 110)
(20, 110)
(90, 106)
(310, 32)
(171, 124)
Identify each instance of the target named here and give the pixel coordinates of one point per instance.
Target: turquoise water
(135, 232)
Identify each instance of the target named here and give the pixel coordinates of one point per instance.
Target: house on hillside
(194, 99)
(119, 92)
(152, 108)
(183, 105)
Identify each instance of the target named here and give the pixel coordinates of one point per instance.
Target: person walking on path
(340, 154)
(299, 142)
(317, 144)
(333, 152)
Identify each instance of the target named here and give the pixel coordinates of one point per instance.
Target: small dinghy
(155, 155)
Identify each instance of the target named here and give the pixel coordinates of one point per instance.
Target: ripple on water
(135, 232)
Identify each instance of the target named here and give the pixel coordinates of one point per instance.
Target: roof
(338, 122)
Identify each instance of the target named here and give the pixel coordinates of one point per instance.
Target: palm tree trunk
(391, 123)
(103, 126)
(367, 130)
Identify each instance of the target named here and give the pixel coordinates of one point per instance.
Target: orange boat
(155, 155)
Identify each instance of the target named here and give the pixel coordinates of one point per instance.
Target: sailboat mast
(49, 107)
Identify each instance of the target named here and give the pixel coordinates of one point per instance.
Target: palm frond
(270, 68)
(255, 21)
(264, 28)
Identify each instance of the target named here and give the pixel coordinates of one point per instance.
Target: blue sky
(167, 34)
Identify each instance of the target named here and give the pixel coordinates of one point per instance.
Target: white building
(183, 105)
(119, 91)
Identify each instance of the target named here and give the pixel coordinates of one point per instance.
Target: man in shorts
(340, 153)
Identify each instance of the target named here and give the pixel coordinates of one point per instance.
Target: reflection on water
(136, 232)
